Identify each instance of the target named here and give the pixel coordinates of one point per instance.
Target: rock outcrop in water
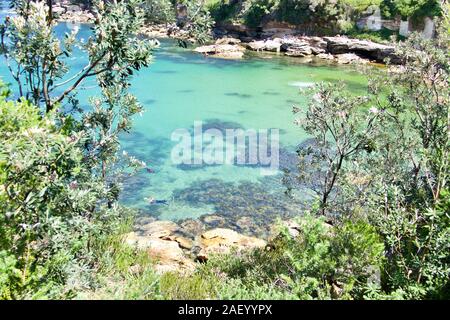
(225, 48)
(327, 48)
(341, 50)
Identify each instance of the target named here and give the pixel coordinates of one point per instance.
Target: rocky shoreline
(232, 44)
(341, 50)
(179, 246)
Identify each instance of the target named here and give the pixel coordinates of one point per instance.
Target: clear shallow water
(181, 87)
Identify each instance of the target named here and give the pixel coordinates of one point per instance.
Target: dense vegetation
(379, 227)
(319, 16)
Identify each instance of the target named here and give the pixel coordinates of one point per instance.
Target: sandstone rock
(299, 49)
(144, 219)
(183, 243)
(364, 48)
(158, 229)
(225, 51)
(168, 256)
(347, 58)
(325, 56)
(58, 10)
(272, 45)
(192, 227)
(255, 45)
(293, 229)
(223, 240)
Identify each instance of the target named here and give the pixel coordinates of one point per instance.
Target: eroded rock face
(300, 49)
(363, 48)
(325, 48)
(164, 242)
(222, 241)
(169, 256)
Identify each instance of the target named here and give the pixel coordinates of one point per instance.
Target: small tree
(341, 130)
(398, 165)
(59, 174)
(37, 59)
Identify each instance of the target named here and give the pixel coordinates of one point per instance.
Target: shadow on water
(165, 71)
(186, 91)
(237, 94)
(271, 93)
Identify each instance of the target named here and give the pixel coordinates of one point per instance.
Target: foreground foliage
(395, 175)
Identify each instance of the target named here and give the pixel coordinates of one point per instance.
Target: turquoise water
(181, 87)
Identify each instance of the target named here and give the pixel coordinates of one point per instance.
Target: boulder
(158, 229)
(167, 253)
(363, 48)
(222, 240)
(168, 256)
(183, 242)
(58, 10)
(350, 58)
(192, 227)
(255, 45)
(74, 8)
(272, 45)
(224, 51)
(297, 49)
(325, 56)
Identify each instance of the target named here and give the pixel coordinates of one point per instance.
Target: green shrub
(51, 212)
(323, 262)
(224, 10)
(257, 10)
(159, 11)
